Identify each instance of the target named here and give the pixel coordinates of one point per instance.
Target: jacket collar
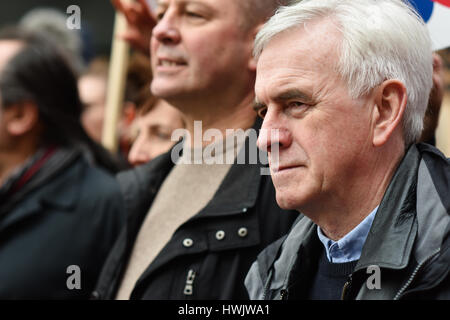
(391, 237)
(65, 193)
(239, 190)
(61, 193)
(139, 187)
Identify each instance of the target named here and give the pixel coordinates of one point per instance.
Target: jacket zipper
(283, 292)
(413, 275)
(347, 286)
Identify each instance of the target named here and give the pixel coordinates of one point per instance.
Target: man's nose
(166, 30)
(273, 133)
(138, 155)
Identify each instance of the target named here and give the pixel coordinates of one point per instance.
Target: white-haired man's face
(324, 135)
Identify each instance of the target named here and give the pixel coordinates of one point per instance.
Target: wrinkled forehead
(315, 45)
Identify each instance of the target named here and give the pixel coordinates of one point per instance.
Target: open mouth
(170, 63)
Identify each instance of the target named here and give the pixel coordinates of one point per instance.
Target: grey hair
(382, 39)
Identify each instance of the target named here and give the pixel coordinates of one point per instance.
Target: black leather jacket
(244, 207)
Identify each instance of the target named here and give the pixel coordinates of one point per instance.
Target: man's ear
(21, 118)
(252, 62)
(390, 98)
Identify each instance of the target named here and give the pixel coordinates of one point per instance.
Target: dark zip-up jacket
(408, 241)
(211, 267)
(67, 216)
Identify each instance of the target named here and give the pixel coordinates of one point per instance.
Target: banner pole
(116, 84)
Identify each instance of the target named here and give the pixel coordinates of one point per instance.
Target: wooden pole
(116, 84)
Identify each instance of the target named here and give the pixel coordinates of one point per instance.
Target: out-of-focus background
(443, 130)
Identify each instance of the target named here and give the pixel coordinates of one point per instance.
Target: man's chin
(163, 90)
(287, 202)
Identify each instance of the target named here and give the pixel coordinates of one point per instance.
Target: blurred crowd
(53, 102)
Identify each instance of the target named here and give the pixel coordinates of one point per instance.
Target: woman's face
(154, 132)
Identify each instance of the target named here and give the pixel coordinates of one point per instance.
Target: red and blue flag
(436, 13)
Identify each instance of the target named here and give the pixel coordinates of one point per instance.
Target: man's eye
(163, 135)
(193, 14)
(296, 104)
(262, 112)
(296, 108)
(159, 15)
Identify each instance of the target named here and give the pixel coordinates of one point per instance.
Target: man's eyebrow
(292, 94)
(283, 96)
(184, 2)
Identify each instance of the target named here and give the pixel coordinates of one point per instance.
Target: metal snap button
(188, 242)
(220, 235)
(242, 232)
(95, 295)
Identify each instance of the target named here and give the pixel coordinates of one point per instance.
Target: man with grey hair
(194, 229)
(346, 83)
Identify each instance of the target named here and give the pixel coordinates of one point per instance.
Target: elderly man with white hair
(345, 85)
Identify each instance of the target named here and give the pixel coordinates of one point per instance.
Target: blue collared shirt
(349, 247)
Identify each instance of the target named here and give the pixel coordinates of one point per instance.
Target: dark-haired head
(39, 73)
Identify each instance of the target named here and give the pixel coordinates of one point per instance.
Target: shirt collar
(349, 247)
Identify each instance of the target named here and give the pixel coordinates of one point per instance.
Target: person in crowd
(193, 230)
(431, 118)
(155, 122)
(92, 86)
(52, 24)
(148, 122)
(145, 122)
(349, 108)
(60, 210)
